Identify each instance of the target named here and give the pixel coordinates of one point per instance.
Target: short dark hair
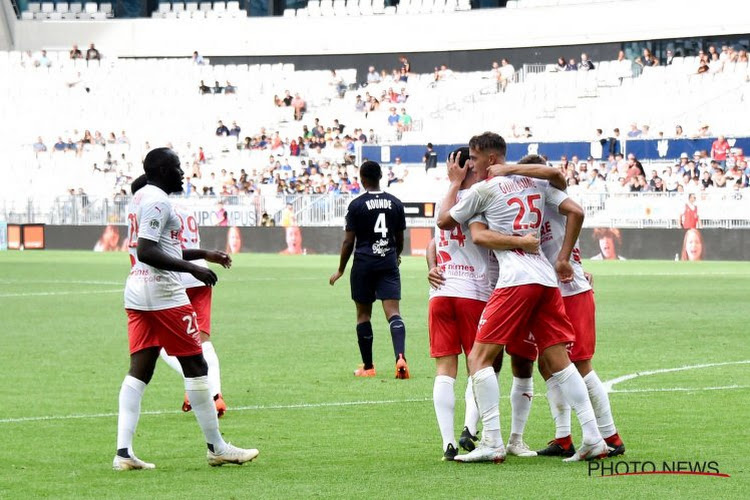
(464, 155)
(532, 160)
(138, 183)
(157, 158)
(371, 171)
(489, 141)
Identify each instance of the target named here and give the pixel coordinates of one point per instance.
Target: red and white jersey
(152, 217)
(513, 205)
(191, 239)
(470, 271)
(553, 233)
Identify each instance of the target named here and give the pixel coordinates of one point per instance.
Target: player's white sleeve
(478, 218)
(470, 205)
(554, 197)
(154, 217)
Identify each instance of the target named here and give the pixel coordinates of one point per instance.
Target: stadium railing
(718, 209)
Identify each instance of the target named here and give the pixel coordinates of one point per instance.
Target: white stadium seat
(35, 7)
(48, 7)
(91, 8)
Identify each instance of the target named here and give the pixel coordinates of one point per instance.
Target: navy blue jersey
(375, 218)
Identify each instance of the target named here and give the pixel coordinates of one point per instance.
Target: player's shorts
(525, 347)
(581, 311)
(368, 285)
(175, 329)
(513, 312)
(200, 299)
(453, 325)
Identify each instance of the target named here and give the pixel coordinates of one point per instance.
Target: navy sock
(398, 335)
(123, 452)
(364, 338)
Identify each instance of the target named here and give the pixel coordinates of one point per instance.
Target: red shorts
(175, 329)
(200, 299)
(453, 325)
(513, 312)
(582, 313)
(524, 347)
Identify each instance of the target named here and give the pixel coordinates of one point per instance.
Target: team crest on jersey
(380, 247)
(154, 223)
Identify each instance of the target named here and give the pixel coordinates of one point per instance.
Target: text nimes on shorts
(380, 203)
(380, 247)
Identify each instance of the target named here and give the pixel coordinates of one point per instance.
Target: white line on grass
(680, 389)
(59, 282)
(52, 294)
(609, 384)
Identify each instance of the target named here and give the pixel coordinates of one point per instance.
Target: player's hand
(204, 274)
(564, 271)
(335, 277)
(589, 278)
(530, 243)
(435, 277)
(498, 170)
(398, 261)
(456, 174)
(219, 257)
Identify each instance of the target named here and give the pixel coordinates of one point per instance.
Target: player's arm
(456, 175)
(483, 236)
(399, 245)
(149, 253)
(538, 171)
(215, 256)
(434, 274)
(574, 221)
(347, 247)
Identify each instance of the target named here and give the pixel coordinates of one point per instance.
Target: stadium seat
(178, 7)
(339, 8)
(106, 9)
(35, 7)
(164, 8)
(326, 7)
(48, 7)
(464, 5)
(450, 6)
(27, 16)
(233, 6)
(54, 16)
(76, 8)
(289, 13)
(61, 7)
(352, 7)
(313, 8)
(205, 7)
(220, 7)
(366, 7)
(378, 7)
(40, 16)
(91, 8)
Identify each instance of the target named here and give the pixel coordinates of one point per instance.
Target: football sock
(444, 400)
(214, 373)
(131, 393)
(398, 335)
(574, 390)
(521, 394)
(472, 412)
(600, 402)
(487, 395)
(205, 411)
(364, 338)
(172, 361)
(559, 408)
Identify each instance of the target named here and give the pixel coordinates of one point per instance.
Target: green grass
(285, 337)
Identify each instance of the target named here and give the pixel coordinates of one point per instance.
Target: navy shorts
(370, 284)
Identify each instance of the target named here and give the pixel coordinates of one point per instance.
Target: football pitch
(287, 346)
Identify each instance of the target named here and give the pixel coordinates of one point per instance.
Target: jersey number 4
(456, 235)
(518, 225)
(380, 226)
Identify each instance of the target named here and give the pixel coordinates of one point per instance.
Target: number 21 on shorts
(191, 327)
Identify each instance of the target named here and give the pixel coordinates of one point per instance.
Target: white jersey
(152, 217)
(470, 271)
(191, 239)
(513, 205)
(553, 234)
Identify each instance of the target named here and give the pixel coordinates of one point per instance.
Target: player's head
(370, 173)
(138, 183)
(463, 156)
(162, 167)
(532, 160)
(486, 149)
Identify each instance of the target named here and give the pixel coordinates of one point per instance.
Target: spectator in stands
(430, 158)
(75, 52)
(337, 82)
(59, 146)
(571, 66)
(235, 130)
(393, 117)
(704, 131)
(609, 241)
(692, 245)
(198, 59)
(287, 100)
(217, 89)
(374, 104)
(719, 150)
(715, 64)
(585, 63)
(39, 146)
(359, 104)
(229, 88)
(203, 88)
(404, 121)
(299, 107)
(561, 64)
(43, 61)
(652, 182)
(405, 66)
(647, 59)
(703, 66)
(403, 76)
(507, 73)
(669, 58)
(222, 130)
(706, 180)
(671, 180)
(614, 142)
(634, 133)
(372, 76)
(678, 132)
(92, 54)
